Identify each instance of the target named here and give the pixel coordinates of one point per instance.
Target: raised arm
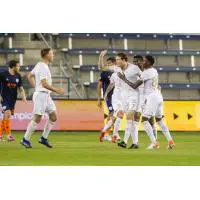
(108, 90)
(101, 65)
(133, 85)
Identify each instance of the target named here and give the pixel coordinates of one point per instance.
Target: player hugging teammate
(139, 95)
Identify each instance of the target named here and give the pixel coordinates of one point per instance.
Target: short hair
(112, 59)
(150, 59)
(139, 57)
(12, 63)
(123, 56)
(45, 51)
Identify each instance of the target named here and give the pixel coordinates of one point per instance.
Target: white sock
(129, 129)
(149, 131)
(30, 129)
(155, 131)
(117, 126)
(134, 133)
(165, 130)
(108, 125)
(48, 126)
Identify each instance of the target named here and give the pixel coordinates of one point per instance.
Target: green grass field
(84, 149)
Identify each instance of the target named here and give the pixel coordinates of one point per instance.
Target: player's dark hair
(112, 59)
(12, 63)
(139, 57)
(150, 59)
(123, 56)
(45, 52)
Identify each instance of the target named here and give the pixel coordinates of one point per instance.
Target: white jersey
(114, 79)
(150, 78)
(41, 71)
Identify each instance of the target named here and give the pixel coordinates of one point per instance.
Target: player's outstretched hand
(120, 75)
(60, 91)
(103, 53)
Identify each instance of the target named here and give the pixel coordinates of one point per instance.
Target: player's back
(41, 71)
(150, 78)
(105, 79)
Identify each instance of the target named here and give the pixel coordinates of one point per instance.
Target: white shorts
(43, 103)
(116, 103)
(140, 104)
(153, 106)
(129, 101)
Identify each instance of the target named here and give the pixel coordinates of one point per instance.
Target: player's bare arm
(108, 90)
(133, 85)
(31, 79)
(101, 65)
(99, 86)
(52, 88)
(22, 93)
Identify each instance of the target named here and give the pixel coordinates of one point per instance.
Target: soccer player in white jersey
(40, 79)
(115, 82)
(153, 101)
(129, 97)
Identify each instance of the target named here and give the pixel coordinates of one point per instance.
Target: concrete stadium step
(163, 77)
(171, 94)
(29, 44)
(90, 43)
(189, 94)
(155, 44)
(191, 44)
(165, 61)
(194, 77)
(22, 37)
(178, 77)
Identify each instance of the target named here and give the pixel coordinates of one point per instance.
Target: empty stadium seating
(177, 58)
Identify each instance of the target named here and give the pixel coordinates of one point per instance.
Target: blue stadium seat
(131, 52)
(87, 68)
(12, 50)
(166, 85)
(143, 36)
(22, 69)
(7, 35)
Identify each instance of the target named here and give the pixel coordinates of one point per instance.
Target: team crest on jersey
(4, 107)
(17, 80)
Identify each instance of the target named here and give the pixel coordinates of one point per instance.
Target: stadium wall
(77, 115)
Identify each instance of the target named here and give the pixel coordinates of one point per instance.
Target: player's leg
(163, 126)
(134, 133)
(149, 111)
(51, 111)
(119, 114)
(7, 125)
(153, 124)
(107, 132)
(40, 104)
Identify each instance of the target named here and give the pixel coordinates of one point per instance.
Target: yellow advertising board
(179, 115)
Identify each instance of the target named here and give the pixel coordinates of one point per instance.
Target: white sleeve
(112, 80)
(113, 68)
(144, 76)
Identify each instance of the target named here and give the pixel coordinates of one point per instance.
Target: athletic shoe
(153, 146)
(134, 146)
(11, 138)
(26, 143)
(1, 139)
(171, 144)
(114, 138)
(107, 138)
(45, 142)
(101, 137)
(122, 144)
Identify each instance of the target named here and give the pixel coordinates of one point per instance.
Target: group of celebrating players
(131, 90)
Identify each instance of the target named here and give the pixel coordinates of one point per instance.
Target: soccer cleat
(45, 142)
(171, 144)
(11, 138)
(101, 137)
(153, 146)
(134, 146)
(122, 144)
(107, 138)
(26, 143)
